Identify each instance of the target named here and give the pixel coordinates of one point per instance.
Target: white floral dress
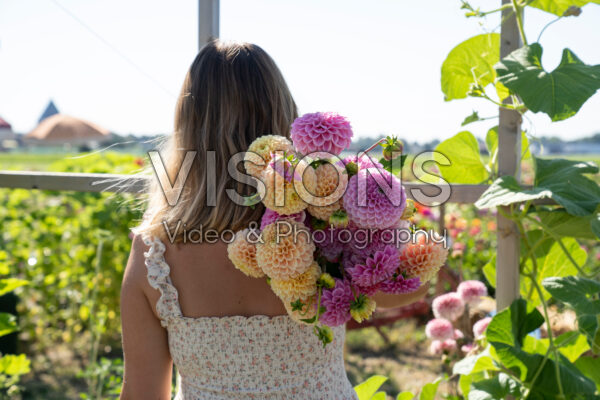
(237, 357)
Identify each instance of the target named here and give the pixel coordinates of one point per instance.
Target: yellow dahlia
(285, 250)
(299, 309)
(288, 196)
(422, 259)
(331, 185)
(302, 286)
(243, 254)
(362, 308)
(262, 147)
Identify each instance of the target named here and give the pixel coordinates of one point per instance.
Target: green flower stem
(519, 14)
(550, 337)
(560, 243)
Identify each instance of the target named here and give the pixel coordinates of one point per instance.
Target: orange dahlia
(299, 309)
(285, 250)
(331, 184)
(262, 147)
(301, 287)
(422, 258)
(281, 195)
(243, 254)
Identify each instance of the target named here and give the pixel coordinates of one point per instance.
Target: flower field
(68, 312)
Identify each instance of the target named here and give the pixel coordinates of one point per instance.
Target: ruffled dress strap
(159, 278)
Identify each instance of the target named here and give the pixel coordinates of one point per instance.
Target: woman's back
(234, 342)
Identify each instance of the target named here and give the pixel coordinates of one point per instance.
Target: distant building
(66, 131)
(7, 136)
(49, 111)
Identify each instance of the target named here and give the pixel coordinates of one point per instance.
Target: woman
(228, 334)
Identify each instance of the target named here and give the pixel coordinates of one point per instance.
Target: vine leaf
(496, 388)
(466, 165)
(560, 93)
(507, 333)
(559, 7)
(470, 62)
(367, 389)
(474, 117)
(564, 181)
(581, 295)
(561, 223)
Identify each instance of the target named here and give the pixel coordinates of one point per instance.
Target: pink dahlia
(467, 348)
(271, 216)
(449, 346)
(399, 285)
(321, 131)
(435, 347)
(376, 268)
(449, 306)
(480, 326)
(328, 243)
(471, 292)
(337, 303)
(363, 162)
(439, 329)
(374, 199)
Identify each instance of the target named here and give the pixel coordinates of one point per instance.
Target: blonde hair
(232, 94)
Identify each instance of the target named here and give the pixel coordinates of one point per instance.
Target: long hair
(232, 94)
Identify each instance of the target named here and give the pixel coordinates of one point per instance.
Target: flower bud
(362, 307)
(410, 210)
(339, 219)
(352, 169)
(326, 281)
(325, 334)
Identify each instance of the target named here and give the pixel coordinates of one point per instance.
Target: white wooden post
(509, 156)
(208, 21)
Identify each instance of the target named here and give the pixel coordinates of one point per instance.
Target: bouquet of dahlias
(335, 231)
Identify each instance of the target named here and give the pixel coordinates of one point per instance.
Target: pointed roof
(4, 124)
(63, 128)
(50, 111)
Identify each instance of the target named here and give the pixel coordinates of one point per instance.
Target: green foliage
(560, 93)
(582, 295)
(466, 165)
(559, 7)
(367, 389)
(564, 181)
(470, 63)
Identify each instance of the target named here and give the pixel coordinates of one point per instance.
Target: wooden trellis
(509, 134)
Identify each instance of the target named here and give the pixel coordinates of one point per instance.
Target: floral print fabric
(257, 357)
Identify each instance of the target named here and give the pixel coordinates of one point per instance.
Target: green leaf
(8, 323)
(14, 365)
(560, 93)
(561, 223)
(474, 117)
(595, 225)
(491, 142)
(558, 7)
(581, 295)
(471, 62)
(475, 363)
(10, 284)
(379, 396)
(464, 383)
(552, 262)
(590, 367)
(564, 181)
(466, 166)
(405, 396)
(572, 345)
(429, 390)
(489, 271)
(496, 388)
(368, 388)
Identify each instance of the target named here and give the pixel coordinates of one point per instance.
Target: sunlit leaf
(560, 93)
(466, 165)
(558, 7)
(368, 388)
(470, 62)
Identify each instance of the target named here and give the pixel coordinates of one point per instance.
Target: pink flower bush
(370, 206)
(321, 131)
(439, 329)
(337, 303)
(471, 292)
(438, 347)
(458, 334)
(376, 268)
(480, 326)
(271, 216)
(449, 306)
(467, 348)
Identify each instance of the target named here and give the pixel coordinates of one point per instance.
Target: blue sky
(377, 62)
